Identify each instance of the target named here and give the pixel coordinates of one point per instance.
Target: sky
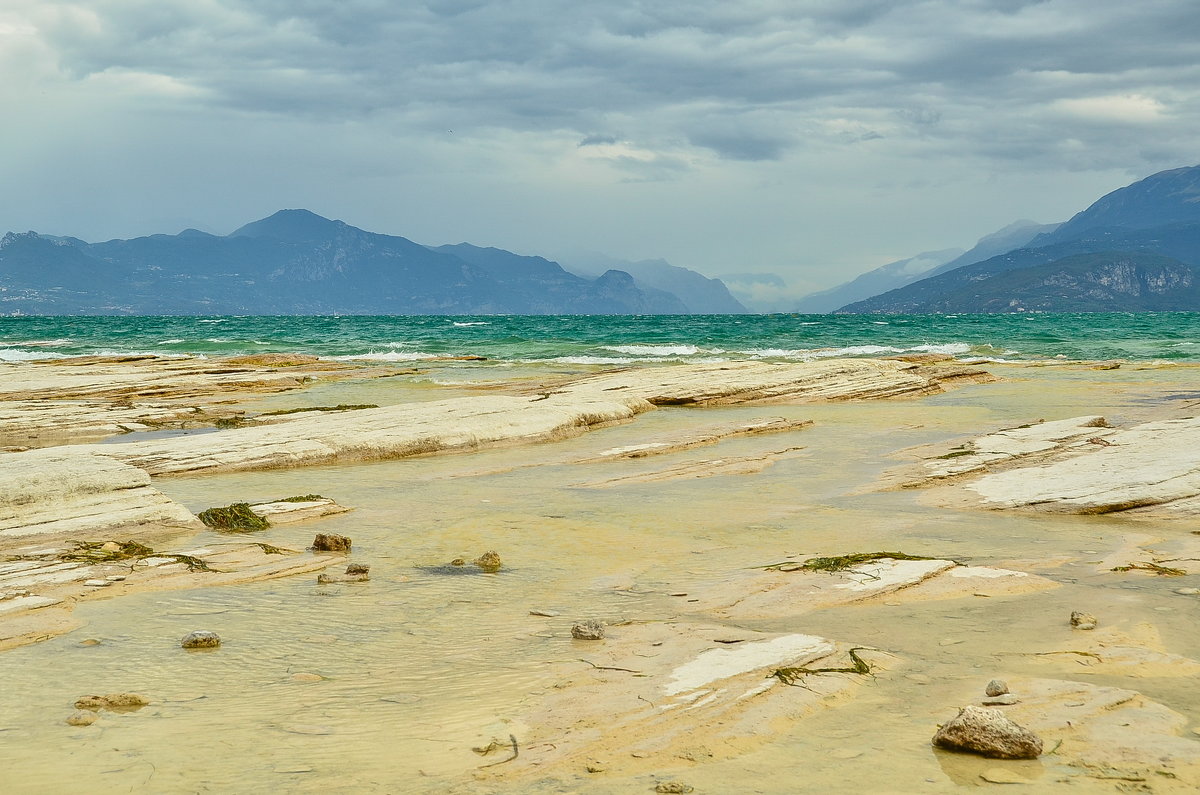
(814, 139)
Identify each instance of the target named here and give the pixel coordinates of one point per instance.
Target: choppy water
(615, 340)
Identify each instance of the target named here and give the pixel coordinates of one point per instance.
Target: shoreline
(569, 456)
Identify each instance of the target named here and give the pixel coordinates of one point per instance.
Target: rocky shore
(711, 668)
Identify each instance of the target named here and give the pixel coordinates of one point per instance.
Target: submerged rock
(1083, 620)
(996, 687)
(358, 568)
(330, 542)
(112, 701)
(587, 630)
(237, 518)
(673, 788)
(82, 717)
(489, 561)
(989, 733)
(201, 639)
(355, 572)
(458, 562)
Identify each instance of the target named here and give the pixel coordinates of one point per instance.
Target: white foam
(18, 355)
(472, 323)
(389, 356)
(655, 350)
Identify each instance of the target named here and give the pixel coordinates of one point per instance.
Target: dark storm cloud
(699, 72)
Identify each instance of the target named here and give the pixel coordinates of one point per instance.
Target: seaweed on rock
(237, 518)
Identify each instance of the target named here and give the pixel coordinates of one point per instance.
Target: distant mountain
(1101, 282)
(700, 294)
(558, 288)
(760, 292)
(296, 262)
(885, 277)
(1159, 215)
(897, 274)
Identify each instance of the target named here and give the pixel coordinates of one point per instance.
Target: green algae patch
(236, 518)
(301, 498)
(106, 551)
(843, 562)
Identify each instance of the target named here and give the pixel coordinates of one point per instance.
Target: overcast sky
(813, 138)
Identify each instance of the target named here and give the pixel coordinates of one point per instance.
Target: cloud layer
(797, 122)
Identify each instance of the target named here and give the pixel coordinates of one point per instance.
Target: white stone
(716, 664)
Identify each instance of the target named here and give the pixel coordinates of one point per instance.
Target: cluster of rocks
(87, 708)
(355, 572)
(489, 562)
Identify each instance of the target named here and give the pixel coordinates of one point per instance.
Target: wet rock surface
(587, 630)
(331, 542)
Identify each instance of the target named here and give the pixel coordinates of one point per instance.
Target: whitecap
(472, 323)
(951, 348)
(654, 350)
(588, 360)
(18, 355)
(169, 342)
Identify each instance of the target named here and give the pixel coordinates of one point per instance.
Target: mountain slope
(886, 277)
(700, 294)
(1101, 282)
(297, 262)
(1162, 199)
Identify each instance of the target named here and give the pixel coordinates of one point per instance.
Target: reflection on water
(416, 667)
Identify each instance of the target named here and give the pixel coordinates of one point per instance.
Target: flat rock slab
(704, 468)
(652, 694)
(1079, 466)
(288, 511)
(699, 437)
(76, 491)
(775, 594)
(729, 383)
(471, 423)
(58, 585)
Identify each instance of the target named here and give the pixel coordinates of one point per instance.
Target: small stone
(82, 717)
(1002, 700)
(489, 561)
(110, 546)
(595, 766)
(97, 583)
(1187, 591)
(458, 562)
(200, 640)
(331, 543)
(587, 630)
(306, 677)
(89, 642)
(545, 613)
(998, 775)
(1083, 620)
(989, 733)
(358, 568)
(673, 788)
(116, 578)
(996, 687)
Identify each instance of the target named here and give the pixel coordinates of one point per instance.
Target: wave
(18, 355)
(386, 356)
(655, 350)
(472, 323)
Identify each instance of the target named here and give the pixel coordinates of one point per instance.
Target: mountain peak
(296, 224)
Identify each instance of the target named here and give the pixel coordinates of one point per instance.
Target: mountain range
(1133, 250)
(297, 262)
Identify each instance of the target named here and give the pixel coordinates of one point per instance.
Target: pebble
(588, 630)
(82, 717)
(89, 642)
(1187, 591)
(200, 639)
(996, 687)
(116, 578)
(97, 583)
(1003, 700)
(1083, 620)
(595, 766)
(673, 788)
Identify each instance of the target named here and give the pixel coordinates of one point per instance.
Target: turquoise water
(615, 340)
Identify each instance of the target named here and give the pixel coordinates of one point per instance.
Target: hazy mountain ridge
(702, 295)
(297, 262)
(1158, 215)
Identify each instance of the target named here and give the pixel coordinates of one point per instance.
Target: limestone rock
(996, 687)
(355, 572)
(989, 733)
(1083, 620)
(673, 788)
(201, 639)
(590, 629)
(330, 542)
(1002, 700)
(82, 717)
(358, 568)
(489, 561)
